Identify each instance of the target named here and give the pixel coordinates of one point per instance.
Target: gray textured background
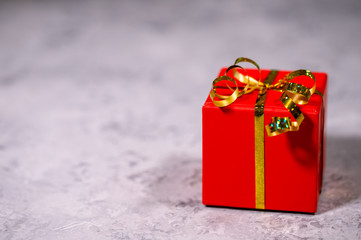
(100, 115)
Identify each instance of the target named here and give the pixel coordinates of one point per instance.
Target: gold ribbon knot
(293, 94)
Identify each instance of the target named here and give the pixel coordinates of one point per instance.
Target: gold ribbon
(259, 142)
(292, 94)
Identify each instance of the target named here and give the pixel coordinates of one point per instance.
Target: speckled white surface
(100, 115)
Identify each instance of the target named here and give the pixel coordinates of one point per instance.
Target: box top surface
(273, 103)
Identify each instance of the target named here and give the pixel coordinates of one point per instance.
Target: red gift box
(293, 161)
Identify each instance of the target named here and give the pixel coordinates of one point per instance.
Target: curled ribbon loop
(251, 84)
(293, 94)
(226, 100)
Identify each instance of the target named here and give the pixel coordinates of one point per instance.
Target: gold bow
(293, 94)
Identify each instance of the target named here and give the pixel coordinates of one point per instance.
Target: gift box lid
(273, 103)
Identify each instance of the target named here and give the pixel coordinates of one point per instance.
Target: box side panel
(292, 167)
(323, 132)
(228, 157)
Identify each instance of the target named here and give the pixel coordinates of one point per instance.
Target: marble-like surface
(100, 115)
